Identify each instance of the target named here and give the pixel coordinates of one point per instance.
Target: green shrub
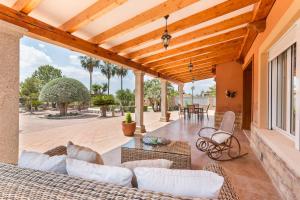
(103, 100)
(128, 118)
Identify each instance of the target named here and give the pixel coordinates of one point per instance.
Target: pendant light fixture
(190, 66)
(166, 37)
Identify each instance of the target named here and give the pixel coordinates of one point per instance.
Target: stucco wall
(229, 76)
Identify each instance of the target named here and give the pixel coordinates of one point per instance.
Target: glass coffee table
(177, 151)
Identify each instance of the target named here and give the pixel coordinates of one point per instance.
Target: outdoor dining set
(193, 109)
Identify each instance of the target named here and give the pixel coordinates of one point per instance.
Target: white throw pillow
(43, 162)
(83, 153)
(157, 163)
(102, 173)
(183, 183)
(220, 137)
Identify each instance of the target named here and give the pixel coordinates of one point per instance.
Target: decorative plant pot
(168, 116)
(128, 128)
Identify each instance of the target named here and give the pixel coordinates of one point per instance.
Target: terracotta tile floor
(247, 175)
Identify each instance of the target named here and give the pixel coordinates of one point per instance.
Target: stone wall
(238, 119)
(283, 178)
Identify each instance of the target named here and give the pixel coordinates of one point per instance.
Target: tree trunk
(63, 108)
(91, 82)
(108, 86)
(103, 111)
(121, 82)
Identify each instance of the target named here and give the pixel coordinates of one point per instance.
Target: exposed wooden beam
(260, 13)
(221, 26)
(41, 30)
(199, 62)
(214, 48)
(195, 58)
(208, 14)
(91, 13)
(198, 72)
(196, 77)
(148, 16)
(200, 67)
(26, 6)
(258, 26)
(238, 33)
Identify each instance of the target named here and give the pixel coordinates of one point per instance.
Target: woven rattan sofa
(18, 183)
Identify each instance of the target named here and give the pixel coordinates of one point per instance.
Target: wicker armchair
(219, 143)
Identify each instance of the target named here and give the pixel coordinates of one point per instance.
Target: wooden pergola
(207, 33)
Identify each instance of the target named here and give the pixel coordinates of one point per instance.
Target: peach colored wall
(229, 76)
(260, 89)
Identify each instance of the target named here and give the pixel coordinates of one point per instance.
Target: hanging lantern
(166, 37)
(190, 66)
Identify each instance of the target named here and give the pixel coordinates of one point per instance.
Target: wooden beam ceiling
(195, 58)
(25, 6)
(199, 62)
(238, 33)
(91, 13)
(148, 16)
(45, 31)
(261, 11)
(221, 26)
(214, 48)
(208, 14)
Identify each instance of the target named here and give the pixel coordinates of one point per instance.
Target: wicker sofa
(18, 183)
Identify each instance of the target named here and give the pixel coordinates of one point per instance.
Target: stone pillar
(139, 102)
(180, 91)
(9, 91)
(164, 101)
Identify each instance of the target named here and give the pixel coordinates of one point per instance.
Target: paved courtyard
(100, 134)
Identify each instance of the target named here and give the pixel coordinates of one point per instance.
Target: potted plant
(128, 126)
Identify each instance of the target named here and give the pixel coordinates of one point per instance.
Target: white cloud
(30, 59)
(74, 60)
(42, 45)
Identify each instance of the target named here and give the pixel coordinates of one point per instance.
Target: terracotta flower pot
(128, 128)
(168, 116)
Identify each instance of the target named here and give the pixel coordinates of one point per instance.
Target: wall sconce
(230, 94)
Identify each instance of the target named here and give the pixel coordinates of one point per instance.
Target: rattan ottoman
(177, 151)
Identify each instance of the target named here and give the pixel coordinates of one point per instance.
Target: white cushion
(157, 163)
(184, 183)
(220, 137)
(102, 173)
(83, 153)
(43, 162)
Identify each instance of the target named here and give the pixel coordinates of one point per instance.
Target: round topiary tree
(64, 91)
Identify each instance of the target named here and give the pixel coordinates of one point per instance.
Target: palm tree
(89, 64)
(192, 88)
(121, 72)
(109, 70)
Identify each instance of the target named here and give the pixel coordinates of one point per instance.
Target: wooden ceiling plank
(41, 30)
(217, 47)
(209, 60)
(195, 58)
(148, 16)
(221, 26)
(238, 33)
(260, 13)
(195, 19)
(26, 6)
(89, 14)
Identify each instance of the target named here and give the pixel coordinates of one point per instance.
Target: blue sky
(34, 53)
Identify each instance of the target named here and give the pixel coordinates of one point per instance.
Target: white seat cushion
(184, 183)
(43, 162)
(220, 137)
(102, 173)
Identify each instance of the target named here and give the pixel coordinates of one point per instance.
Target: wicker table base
(177, 151)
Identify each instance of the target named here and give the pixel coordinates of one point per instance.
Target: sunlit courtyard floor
(100, 134)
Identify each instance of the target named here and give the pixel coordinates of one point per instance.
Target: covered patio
(236, 42)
